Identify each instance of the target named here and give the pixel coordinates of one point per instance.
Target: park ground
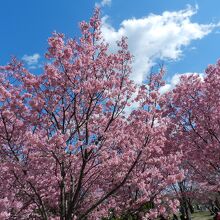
(205, 215)
(202, 216)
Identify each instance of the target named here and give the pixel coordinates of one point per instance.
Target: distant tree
(184, 191)
(194, 110)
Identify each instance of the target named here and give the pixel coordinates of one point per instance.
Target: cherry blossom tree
(193, 107)
(68, 148)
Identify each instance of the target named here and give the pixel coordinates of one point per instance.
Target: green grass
(202, 216)
(205, 215)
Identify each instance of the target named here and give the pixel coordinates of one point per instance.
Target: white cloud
(175, 80)
(156, 37)
(31, 60)
(103, 3)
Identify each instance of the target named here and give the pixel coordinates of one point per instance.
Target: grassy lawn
(202, 216)
(205, 215)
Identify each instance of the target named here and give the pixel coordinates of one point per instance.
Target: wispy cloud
(156, 37)
(32, 60)
(171, 84)
(103, 3)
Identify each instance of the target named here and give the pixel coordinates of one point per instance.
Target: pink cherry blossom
(68, 148)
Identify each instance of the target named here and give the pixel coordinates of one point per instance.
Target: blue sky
(186, 37)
